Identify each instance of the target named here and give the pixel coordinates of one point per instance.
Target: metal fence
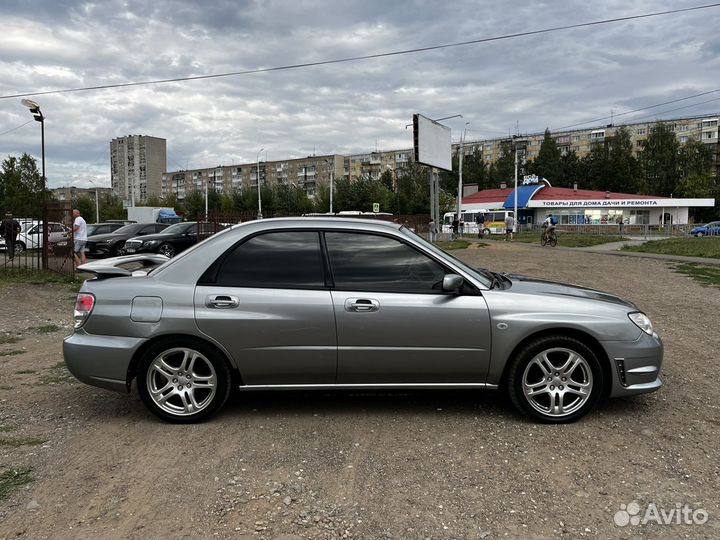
(41, 245)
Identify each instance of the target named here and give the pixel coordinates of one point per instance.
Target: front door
(394, 322)
(268, 305)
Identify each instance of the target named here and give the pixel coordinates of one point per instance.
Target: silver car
(318, 303)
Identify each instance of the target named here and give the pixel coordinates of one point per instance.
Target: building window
(709, 134)
(641, 131)
(684, 128)
(683, 139)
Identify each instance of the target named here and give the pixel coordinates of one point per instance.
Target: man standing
(480, 220)
(455, 227)
(80, 237)
(509, 226)
(10, 229)
(433, 230)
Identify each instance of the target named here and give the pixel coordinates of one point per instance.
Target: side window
(148, 229)
(192, 229)
(102, 229)
(56, 227)
(278, 260)
(376, 263)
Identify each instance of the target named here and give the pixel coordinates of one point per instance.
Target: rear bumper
(100, 360)
(635, 365)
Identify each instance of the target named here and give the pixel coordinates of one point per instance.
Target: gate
(57, 245)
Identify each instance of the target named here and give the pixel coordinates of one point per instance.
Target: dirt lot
(361, 465)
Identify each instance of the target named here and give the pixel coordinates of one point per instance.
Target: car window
(279, 260)
(159, 227)
(192, 229)
(56, 227)
(148, 229)
(377, 263)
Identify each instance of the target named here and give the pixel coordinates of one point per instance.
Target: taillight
(83, 307)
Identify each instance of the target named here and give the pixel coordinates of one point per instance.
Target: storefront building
(536, 198)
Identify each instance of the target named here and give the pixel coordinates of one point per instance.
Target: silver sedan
(318, 303)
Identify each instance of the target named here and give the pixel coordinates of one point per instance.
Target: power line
(367, 56)
(678, 108)
(16, 127)
(640, 109)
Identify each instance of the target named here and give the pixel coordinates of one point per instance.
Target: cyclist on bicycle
(549, 226)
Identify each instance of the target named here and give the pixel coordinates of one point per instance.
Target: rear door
(267, 303)
(394, 322)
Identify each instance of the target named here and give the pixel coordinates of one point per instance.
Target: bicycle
(548, 239)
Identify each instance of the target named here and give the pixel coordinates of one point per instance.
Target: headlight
(150, 242)
(642, 322)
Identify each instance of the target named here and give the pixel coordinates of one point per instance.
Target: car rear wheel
(19, 247)
(167, 249)
(183, 381)
(555, 379)
(699, 234)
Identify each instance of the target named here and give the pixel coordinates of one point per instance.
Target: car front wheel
(19, 247)
(183, 381)
(699, 234)
(167, 249)
(555, 379)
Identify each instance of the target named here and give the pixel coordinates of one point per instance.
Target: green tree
(659, 162)
(86, 206)
(548, 163)
(503, 169)
(572, 171)
(194, 206)
(152, 200)
(111, 207)
(22, 190)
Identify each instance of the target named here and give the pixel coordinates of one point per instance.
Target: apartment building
(70, 193)
(307, 173)
(702, 128)
(137, 165)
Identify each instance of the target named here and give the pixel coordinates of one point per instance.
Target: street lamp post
(460, 170)
(259, 216)
(97, 203)
(518, 145)
(38, 116)
(331, 165)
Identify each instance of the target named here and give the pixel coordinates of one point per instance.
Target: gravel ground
(361, 465)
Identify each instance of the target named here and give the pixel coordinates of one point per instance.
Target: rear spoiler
(124, 266)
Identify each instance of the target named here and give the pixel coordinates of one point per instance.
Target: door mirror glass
(452, 283)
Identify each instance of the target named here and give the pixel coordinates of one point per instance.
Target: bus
(494, 220)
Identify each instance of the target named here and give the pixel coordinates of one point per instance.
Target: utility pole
(460, 170)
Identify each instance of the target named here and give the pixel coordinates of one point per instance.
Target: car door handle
(361, 305)
(222, 301)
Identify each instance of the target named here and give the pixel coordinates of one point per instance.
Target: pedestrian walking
(10, 229)
(509, 226)
(455, 227)
(462, 227)
(433, 230)
(480, 220)
(79, 237)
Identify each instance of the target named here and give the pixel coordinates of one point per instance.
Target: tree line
(663, 167)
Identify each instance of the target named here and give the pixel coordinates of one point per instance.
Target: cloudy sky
(552, 80)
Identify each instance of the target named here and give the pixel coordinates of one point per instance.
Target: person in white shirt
(548, 225)
(80, 238)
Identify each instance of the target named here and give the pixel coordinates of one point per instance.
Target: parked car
(32, 237)
(111, 244)
(709, 229)
(307, 303)
(103, 228)
(169, 242)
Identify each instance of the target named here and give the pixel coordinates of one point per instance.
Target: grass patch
(10, 353)
(45, 328)
(25, 372)
(11, 276)
(452, 244)
(14, 478)
(705, 275)
(57, 374)
(22, 441)
(564, 239)
(688, 246)
(5, 429)
(6, 339)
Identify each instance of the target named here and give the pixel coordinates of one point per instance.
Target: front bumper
(100, 360)
(636, 365)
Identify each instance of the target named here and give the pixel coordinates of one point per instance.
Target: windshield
(432, 247)
(178, 228)
(129, 229)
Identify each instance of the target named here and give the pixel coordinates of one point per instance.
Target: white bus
(494, 220)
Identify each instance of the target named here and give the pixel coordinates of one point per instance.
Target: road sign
(376, 207)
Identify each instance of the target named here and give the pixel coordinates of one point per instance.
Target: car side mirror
(452, 283)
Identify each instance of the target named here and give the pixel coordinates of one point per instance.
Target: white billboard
(432, 143)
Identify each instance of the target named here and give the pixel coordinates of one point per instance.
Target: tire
(167, 249)
(700, 234)
(543, 240)
(19, 247)
(541, 392)
(486, 232)
(553, 241)
(174, 396)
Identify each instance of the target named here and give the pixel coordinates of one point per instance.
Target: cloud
(538, 81)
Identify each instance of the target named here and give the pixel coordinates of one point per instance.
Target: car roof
(315, 220)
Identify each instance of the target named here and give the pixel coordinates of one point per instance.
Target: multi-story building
(307, 173)
(71, 192)
(310, 172)
(581, 141)
(137, 165)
